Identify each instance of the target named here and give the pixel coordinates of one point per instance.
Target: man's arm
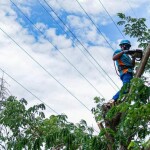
(117, 56)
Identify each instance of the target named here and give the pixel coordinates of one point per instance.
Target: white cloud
(26, 10)
(78, 22)
(41, 26)
(61, 39)
(88, 30)
(94, 7)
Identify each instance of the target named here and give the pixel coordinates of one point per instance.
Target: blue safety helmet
(125, 42)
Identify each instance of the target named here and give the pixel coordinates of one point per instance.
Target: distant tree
(30, 129)
(4, 92)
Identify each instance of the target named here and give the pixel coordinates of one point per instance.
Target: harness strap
(122, 67)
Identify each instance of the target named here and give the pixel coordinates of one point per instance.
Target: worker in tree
(125, 65)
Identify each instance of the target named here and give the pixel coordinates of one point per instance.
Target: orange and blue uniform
(125, 68)
(124, 63)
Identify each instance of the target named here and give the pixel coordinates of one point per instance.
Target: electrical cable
(59, 51)
(94, 25)
(74, 37)
(111, 18)
(103, 37)
(46, 70)
(29, 91)
(134, 11)
(131, 8)
(84, 48)
(32, 93)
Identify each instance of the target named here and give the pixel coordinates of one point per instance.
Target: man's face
(125, 46)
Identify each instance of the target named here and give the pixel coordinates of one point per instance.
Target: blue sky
(16, 63)
(36, 13)
(39, 14)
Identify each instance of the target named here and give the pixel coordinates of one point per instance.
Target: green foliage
(134, 124)
(135, 28)
(28, 128)
(133, 127)
(97, 111)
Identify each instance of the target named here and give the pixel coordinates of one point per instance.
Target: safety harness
(122, 67)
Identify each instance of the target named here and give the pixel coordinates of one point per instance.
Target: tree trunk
(143, 62)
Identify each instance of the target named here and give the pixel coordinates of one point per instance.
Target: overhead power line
(131, 9)
(103, 37)
(59, 51)
(33, 93)
(28, 91)
(94, 24)
(84, 48)
(111, 18)
(135, 15)
(45, 70)
(74, 37)
(65, 56)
